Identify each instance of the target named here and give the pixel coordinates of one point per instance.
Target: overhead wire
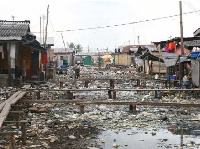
(124, 24)
(191, 7)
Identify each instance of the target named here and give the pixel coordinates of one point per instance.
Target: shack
(182, 64)
(17, 42)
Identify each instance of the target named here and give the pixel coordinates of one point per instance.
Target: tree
(71, 45)
(78, 48)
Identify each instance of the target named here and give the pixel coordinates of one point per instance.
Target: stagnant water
(148, 138)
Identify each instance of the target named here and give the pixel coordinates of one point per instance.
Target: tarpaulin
(44, 58)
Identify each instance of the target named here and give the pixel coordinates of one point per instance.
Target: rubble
(62, 125)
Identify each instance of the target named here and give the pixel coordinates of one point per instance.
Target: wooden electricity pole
(40, 31)
(181, 27)
(182, 48)
(45, 40)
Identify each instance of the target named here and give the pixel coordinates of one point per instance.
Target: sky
(67, 15)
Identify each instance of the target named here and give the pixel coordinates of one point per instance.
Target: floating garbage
(195, 132)
(72, 137)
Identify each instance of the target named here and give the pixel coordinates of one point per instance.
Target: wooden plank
(55, 90)
(7, 105)
(23, 129)
(2, 105)
(8, 133)
(17, 98)
(197, 89)
(79, 102)
(139, 103)
(26, 86)
(49, 101)
(12, 97)
(106, 89)
(22, 121)
(94, 79)
(16, 112)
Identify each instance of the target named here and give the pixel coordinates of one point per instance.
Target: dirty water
(146, 138)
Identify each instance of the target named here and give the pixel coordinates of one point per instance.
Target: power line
(123, 24)
(191, 6)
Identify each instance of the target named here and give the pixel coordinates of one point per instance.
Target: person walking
(77, 70)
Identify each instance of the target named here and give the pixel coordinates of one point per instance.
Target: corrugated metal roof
(13, 30)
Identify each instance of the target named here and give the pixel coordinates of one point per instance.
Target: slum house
(130, 55)
(152, 61)
(181, 65)
(124, 55)
(47, 59)
(18, 44)
(84, 58)
(48, 46)
(195, 59)
(96, 59)
(63, 56)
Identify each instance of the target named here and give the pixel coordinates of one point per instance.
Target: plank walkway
(85, 102)
(107, 89)
(140, 103)
(6, 105)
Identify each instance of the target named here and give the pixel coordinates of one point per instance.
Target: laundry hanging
(44, 58)
(171, 46)
(167, 47)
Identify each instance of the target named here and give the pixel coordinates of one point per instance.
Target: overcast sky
(70, 14)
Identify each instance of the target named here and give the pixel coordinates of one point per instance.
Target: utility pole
(46, 27)
(181, 34)
(160, 50)
(40, 30)
(88, 49)
(181, 27)
(43, 17)
(45, 40)
(138, 40)
(134, 35)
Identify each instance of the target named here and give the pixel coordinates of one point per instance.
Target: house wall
(195, 72)
(58, 60)
(50, 54)
(4, 61)
(95, 58)
(66, 56)
(122, 59)
(26, 51)
(178, 50)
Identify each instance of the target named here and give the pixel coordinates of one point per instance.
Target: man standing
(77, 70)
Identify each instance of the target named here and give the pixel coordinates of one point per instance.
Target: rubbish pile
(62, 125)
